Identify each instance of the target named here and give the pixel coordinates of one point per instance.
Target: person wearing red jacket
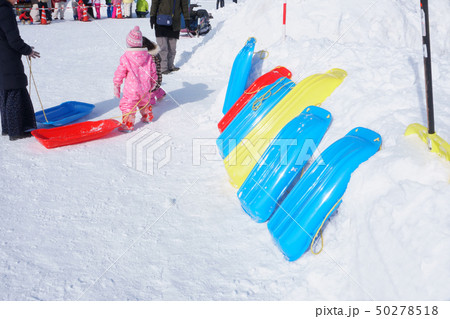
(26, 18)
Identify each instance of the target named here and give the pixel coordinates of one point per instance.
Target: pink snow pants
(97, 10)
(132, 104)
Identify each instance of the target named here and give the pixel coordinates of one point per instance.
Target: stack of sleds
(269, 133)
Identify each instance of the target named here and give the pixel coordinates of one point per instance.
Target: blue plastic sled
(239, 74)
(252, 113)
(64, 113)
(319, 192)
(282, 163)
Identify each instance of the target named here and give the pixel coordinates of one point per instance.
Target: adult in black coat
(15, 104)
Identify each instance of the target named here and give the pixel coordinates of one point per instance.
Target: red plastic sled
(74, 133)
(265, 79)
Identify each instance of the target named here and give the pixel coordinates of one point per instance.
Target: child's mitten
(117, 91)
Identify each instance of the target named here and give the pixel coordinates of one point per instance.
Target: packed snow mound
(393, 200)
(314, 26)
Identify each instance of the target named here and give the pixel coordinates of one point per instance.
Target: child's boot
(127, 123)
(147, 114)
(159, 94)
(161, 97)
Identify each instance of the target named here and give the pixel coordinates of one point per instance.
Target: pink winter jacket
(139, 71)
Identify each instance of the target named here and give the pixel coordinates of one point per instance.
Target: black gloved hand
(34, 54)
(152, 21)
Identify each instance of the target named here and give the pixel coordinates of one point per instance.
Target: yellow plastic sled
(436, 143)
(311, 91)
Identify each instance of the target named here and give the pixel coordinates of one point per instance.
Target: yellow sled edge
(436, 143)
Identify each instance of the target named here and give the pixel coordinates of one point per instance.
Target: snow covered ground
(79, 224)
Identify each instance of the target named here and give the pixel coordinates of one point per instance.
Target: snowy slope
(79, 224)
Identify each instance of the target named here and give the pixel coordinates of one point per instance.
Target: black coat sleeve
(10, 30)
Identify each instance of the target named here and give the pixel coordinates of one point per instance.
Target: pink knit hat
(134, 38)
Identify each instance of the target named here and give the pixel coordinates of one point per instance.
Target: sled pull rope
(29, 80)
(257, 103)
(35, 86)
(320, 229)
(127, 114)
(255, 91)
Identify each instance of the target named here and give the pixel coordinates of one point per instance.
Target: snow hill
(79, 224)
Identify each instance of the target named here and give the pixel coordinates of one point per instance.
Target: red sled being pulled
(74, 133)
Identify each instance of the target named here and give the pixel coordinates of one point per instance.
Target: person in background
(16, 108)
(138, 70)
(43, 9)
(222, 3)
(168, 35)
(75, 9)
(142, 8)
(50, 9)
(81, 9)
(109, 8)
(60, 7)
(26, 18)
(89, 7)
(127, 7)
(117, 4)
(97, 8)
(34, 12)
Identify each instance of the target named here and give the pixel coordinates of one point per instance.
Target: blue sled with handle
(318, 193)
(252, 113)
(239, 74)
(282, 163)
(64, 113)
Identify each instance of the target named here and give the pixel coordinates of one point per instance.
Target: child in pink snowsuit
(139, 71)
